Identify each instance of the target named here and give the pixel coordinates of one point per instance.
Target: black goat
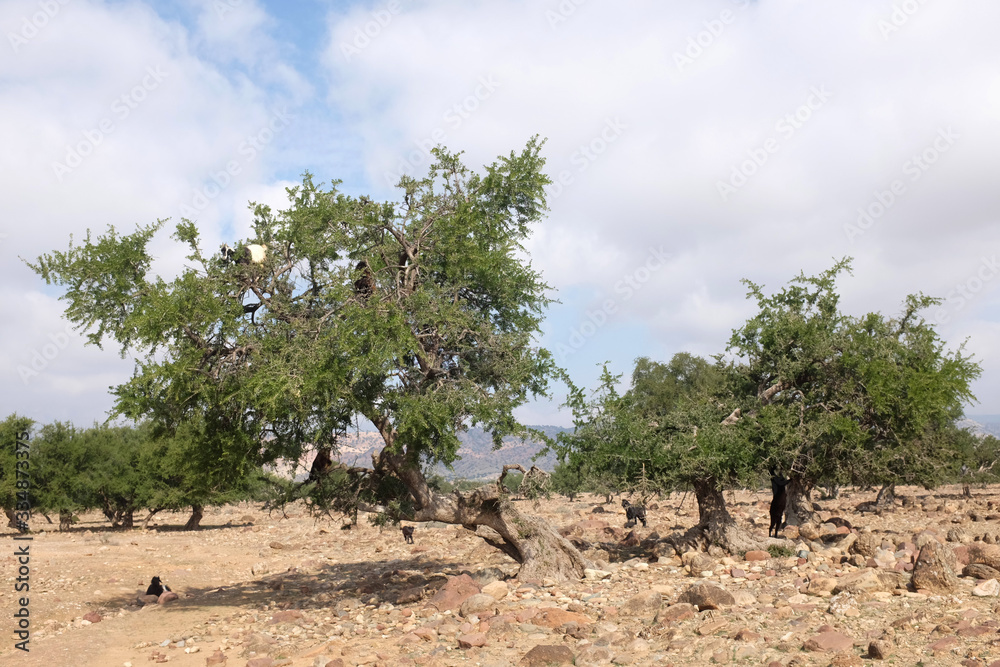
(779, 499)
(407, 533)
(634, 513)
(156, 588)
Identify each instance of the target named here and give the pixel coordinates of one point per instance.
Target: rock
(454, 592)
(409, 595)
(846, 660)
(932, 573)
(478, 604)
(843, 604)
(980, 571)
(166, 596)
(472, 640)
(707, 596)
(554, 617)
(984, 554)
(286, 616)
(751, 556)
(880, 649)
(497, 590)
(596, 575)
(744, 599)
(260, 662)
(631, 540)
(828, 642)
(92, 617)
(820, 585)
(544, 655)
(676, 612)
(276, 546)
(217, 658)
(147, 599)
(988, 588)
(867, 545)
(870, 580)
(644, 604)
(809, 531)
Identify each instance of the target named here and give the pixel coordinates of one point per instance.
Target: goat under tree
(439, 336)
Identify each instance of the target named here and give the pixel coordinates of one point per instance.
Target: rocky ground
(263, 589)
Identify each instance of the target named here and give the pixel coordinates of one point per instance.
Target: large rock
(544, 655)
(478, 604)
(496, 589)
(820, 586)
(454, 592)
(645, 604)
(932, 573)
(707, 596)
(867, 544)
(980, 571)
(985, 554)
(988, 588)
(870, 580)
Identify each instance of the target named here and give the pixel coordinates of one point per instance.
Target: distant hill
(478, 459)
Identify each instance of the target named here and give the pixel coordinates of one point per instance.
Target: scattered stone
(554, 617)
(166, 596)
(676, 612)
(880, 649)
(988, 588)
(932, 573)
(596, 575)
(544, 655)
(870, 580)
(820, 586)
(980, 571)
(644, 604)
(454, 592)
(497, 590)
(751, 556)
(707, 596)
(478, 604)
(92, 617)
(217, 658)
(828, 642)
(472, 640)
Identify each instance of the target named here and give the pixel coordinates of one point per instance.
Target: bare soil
(302, 592)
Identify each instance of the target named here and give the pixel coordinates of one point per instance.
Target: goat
(253, 252)
(779, 499)
(156, 588)
(407, 533)
(634, 513)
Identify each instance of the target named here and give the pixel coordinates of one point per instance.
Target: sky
(691, 144)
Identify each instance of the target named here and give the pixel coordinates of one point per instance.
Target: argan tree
(416, 316)
(16, 498)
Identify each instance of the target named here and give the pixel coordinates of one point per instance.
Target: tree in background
(418, 317)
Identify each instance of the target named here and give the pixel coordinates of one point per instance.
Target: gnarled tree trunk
(541, 551)
(798, 509)
(886, 498)
(716, 523)
(197, 513)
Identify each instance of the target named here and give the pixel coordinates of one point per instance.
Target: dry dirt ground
(266, 589)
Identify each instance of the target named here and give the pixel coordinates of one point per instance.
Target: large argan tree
(417, 316)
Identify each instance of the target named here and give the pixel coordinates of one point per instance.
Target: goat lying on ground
(156, 588)
(779, 499)
(634, 513)
(407, 533)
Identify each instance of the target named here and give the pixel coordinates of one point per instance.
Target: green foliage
(779, 551)
(15, 495)
(251, 363)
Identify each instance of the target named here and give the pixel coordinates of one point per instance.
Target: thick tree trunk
(717, 525)
(798, 509)
(197, 513)
(541, 551)
(12, 521)
(128, 519)
(65, 520)
(886, 498)
(145, 522)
